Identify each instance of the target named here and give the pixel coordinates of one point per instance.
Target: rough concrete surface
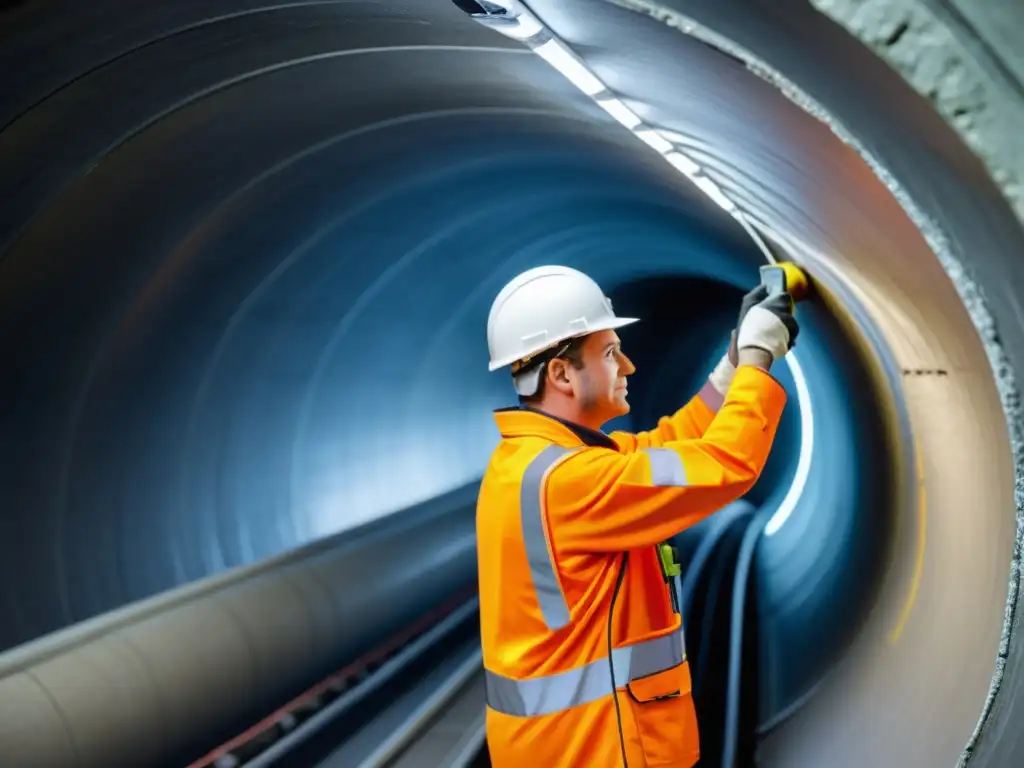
(973, 82)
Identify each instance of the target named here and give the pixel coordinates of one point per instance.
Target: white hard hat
(543, 307)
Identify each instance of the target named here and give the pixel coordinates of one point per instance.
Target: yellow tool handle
(796, 280)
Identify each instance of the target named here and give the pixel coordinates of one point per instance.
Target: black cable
(740, 580)
(741, 587)
(611, 664)
(716, 585)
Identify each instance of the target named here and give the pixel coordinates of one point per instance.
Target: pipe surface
(160, 682)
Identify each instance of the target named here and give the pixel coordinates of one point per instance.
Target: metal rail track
(437, 723)
(296, 738)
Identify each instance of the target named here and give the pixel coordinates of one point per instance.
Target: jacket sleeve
(689, 422)
(599, 500)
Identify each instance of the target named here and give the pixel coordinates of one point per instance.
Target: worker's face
(600, 385)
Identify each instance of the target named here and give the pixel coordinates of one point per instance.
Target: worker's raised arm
(597, 500)
(690, 421)
(694, 418)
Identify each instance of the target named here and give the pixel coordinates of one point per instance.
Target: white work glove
(721, 377)
(767, 322)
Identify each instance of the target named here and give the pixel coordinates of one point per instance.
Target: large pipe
(160, 682)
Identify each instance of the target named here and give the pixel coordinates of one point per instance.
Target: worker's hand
(751, 299)
(768, 325)
(755, 357)
(721, 377)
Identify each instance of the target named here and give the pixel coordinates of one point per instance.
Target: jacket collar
(523, 421)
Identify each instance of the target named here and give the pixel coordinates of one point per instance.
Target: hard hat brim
(608, 325)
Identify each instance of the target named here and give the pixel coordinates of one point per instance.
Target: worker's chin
(620, 403)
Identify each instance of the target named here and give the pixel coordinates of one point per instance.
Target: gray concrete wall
(967, 58)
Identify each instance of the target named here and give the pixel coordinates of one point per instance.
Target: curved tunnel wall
(221, 348)
(72, 460)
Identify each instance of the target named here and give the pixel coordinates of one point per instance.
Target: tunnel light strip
(667, 144)
(574, 70)
(673, 136)
(527, 26)
(683, 163)
(559, 56)
(621, 112)
(655, 141)
(712, 190)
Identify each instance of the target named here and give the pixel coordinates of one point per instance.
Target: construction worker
(583, 645)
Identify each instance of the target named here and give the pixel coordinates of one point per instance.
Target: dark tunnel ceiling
(156, 170)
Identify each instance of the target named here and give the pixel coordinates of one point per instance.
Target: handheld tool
(785, 277)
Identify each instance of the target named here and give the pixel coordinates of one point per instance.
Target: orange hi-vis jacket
(572, 590)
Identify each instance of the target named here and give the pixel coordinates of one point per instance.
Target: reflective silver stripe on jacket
(554, 693)
(666, 470)
(666, 467)
(553, 606)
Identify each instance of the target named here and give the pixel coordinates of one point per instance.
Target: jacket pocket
(662, 706)
(669, 683)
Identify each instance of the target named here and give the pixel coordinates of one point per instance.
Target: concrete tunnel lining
(1010, 344)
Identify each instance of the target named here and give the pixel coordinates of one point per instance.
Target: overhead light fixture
(654, 140)
(574, 70)
(712, 190)
(617, 109)
(510, 17)
(674, 136)
(513, 19)
(683, 163)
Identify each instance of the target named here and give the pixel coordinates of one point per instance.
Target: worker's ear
(559, 377)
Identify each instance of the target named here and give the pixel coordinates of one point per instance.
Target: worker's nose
(626, 366)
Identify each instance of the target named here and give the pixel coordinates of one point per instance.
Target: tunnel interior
(248, 252)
